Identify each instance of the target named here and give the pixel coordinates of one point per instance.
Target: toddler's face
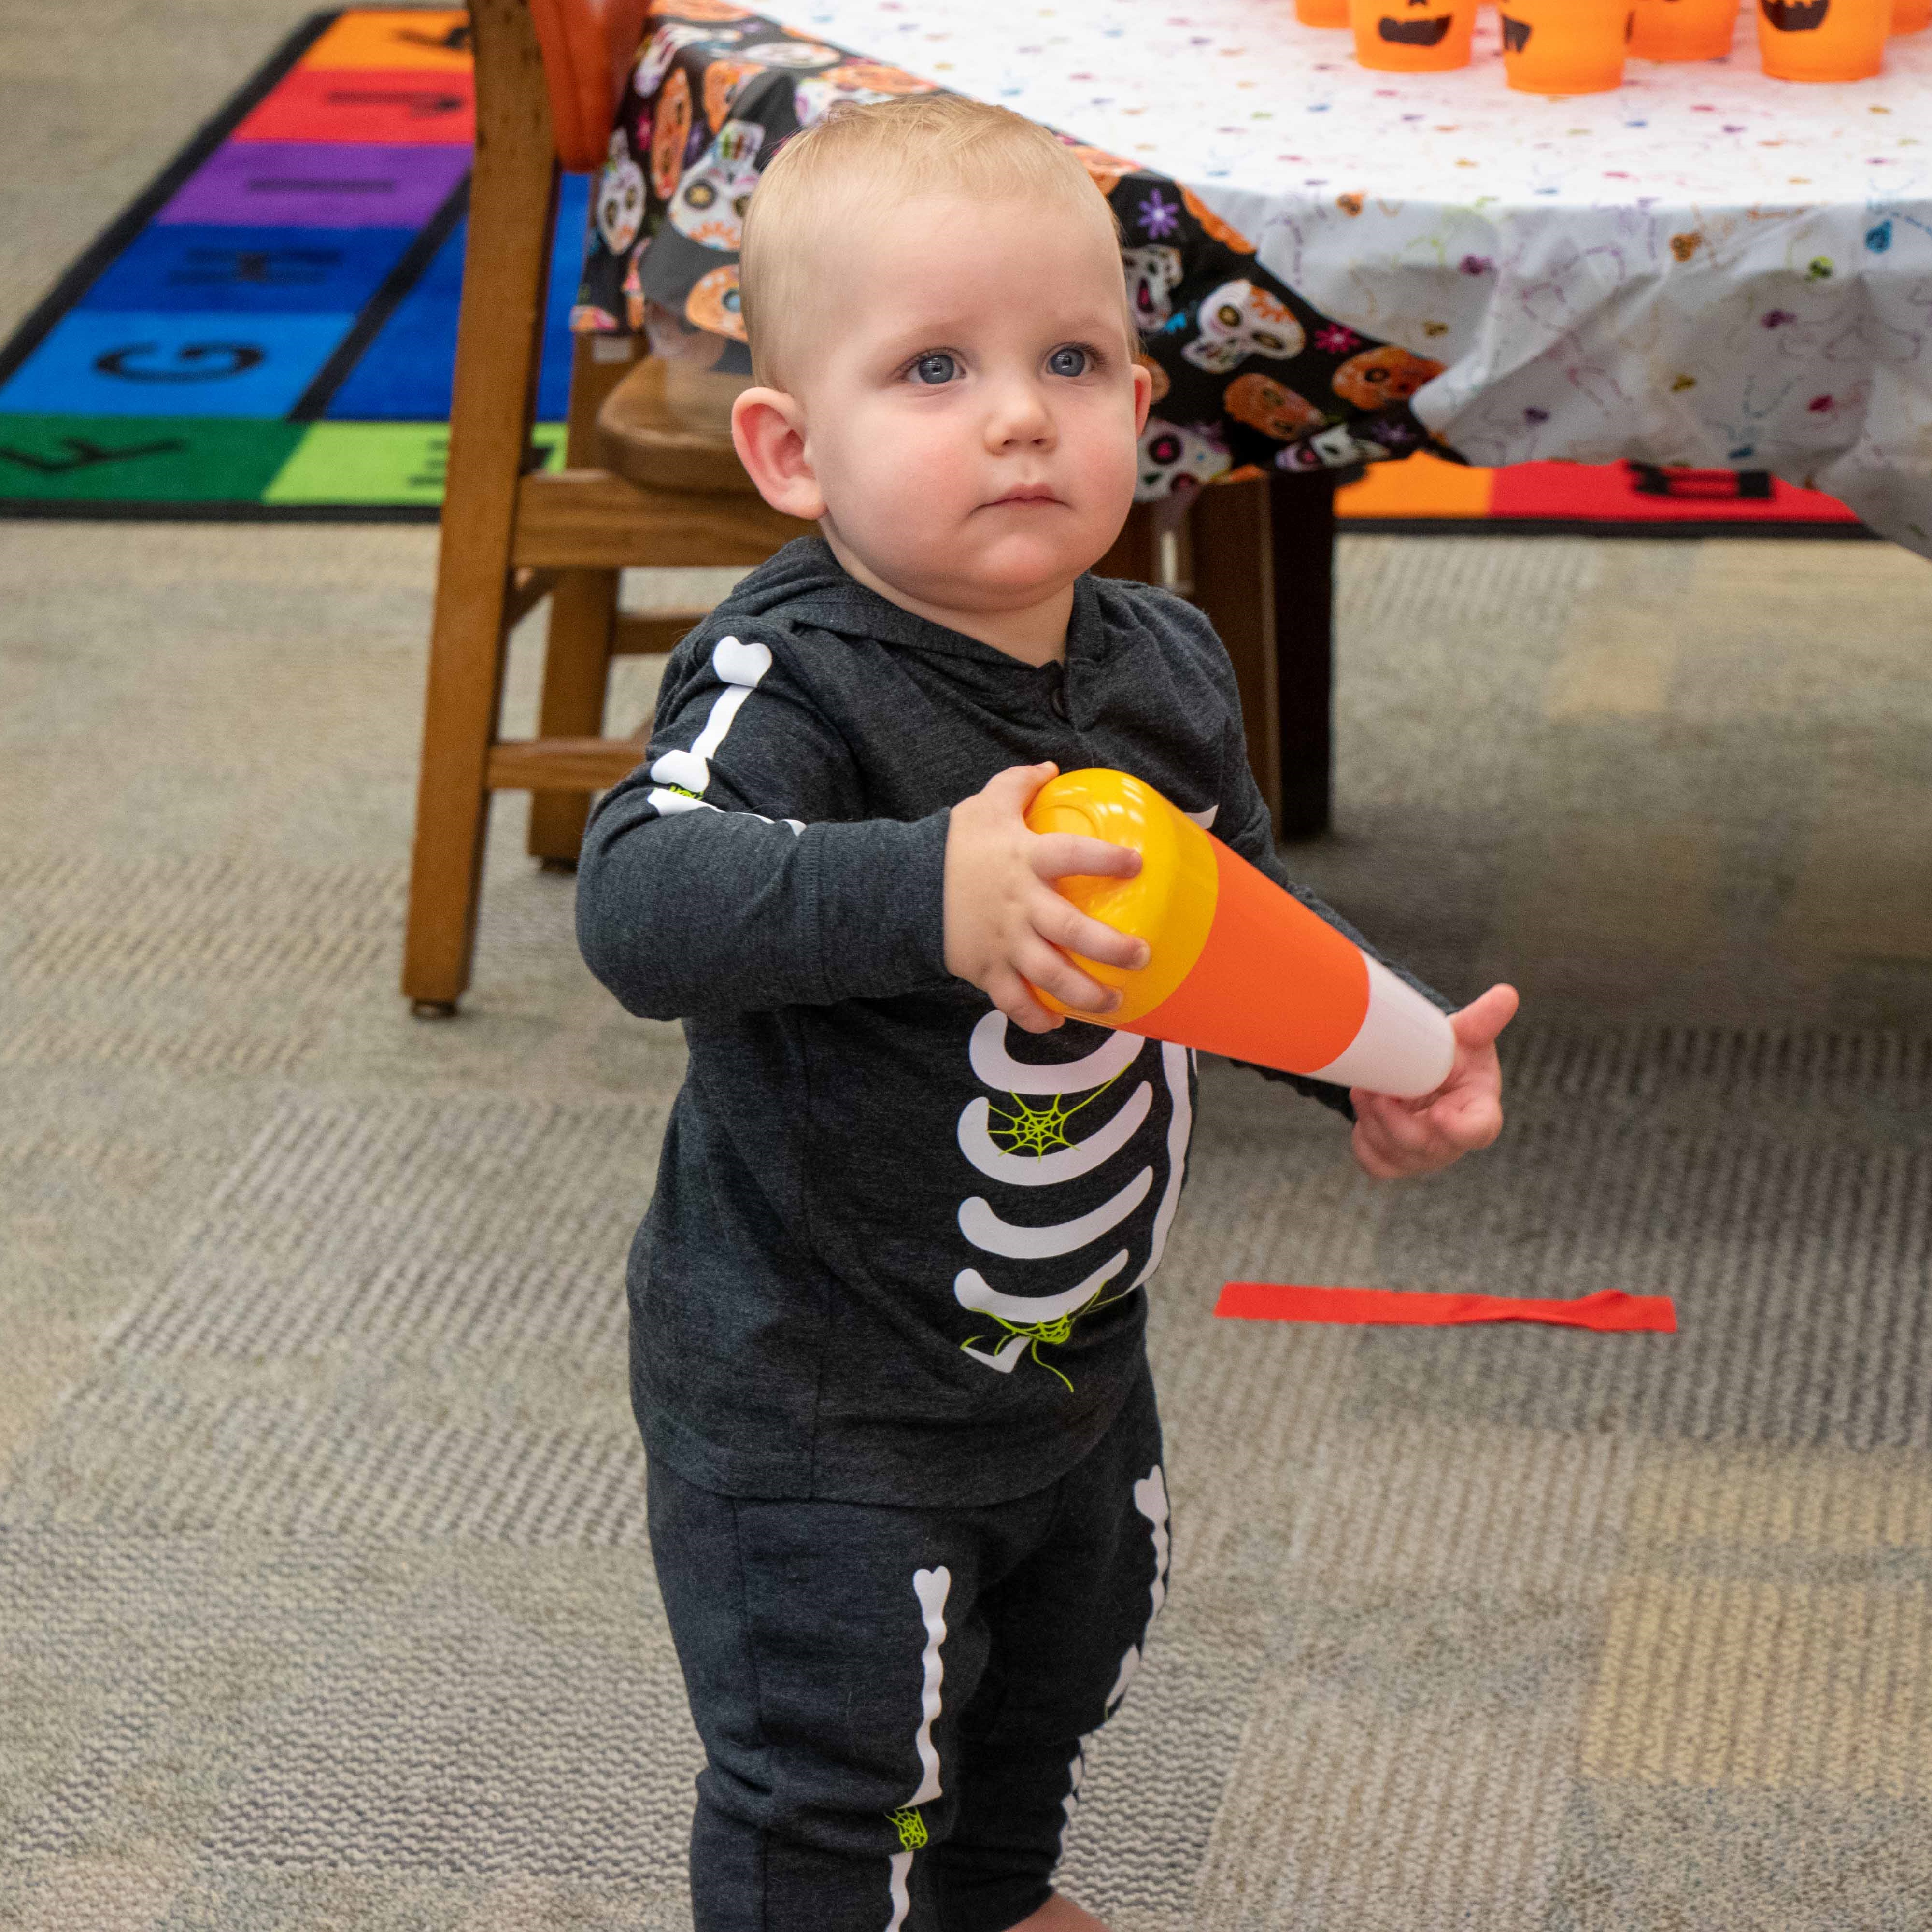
(971, 403)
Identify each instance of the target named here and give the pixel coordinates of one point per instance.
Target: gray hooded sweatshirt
(898, 1248)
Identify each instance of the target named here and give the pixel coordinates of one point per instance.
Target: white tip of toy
(1404, 1046)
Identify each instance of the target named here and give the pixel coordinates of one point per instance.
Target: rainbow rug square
(270, 330)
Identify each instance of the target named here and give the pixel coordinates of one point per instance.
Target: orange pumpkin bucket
(1911, 16)
(1412, 36)
(1684, 30)
(1237, 965)
(1564, 47)
(1322, 13)
(1823, 40)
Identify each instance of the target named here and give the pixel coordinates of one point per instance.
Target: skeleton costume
(887, 1307)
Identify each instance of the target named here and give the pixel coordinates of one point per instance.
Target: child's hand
(1006, 924)
(1396, 1138)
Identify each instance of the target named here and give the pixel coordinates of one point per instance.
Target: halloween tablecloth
(1705, 267)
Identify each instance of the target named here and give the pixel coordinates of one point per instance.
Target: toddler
(906, 1504)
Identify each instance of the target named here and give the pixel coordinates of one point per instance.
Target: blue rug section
(175, 362)
(405, 374)
(250, 270)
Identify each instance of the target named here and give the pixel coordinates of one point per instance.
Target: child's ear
(768, 431)
(1143, 395)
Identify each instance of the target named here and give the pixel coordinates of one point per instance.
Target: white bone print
(1150, 1499)
(932, 1587)
(739, 667)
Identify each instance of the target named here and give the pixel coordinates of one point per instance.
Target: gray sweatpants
(892, 1701)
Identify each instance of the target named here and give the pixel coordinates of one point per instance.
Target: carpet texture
(323, 1599)
(324, 1596)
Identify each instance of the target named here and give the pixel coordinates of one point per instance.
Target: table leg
(1301, 528)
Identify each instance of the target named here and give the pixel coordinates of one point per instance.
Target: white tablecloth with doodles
(1706, 267)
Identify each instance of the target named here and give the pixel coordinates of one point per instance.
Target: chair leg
(511, 210)
(577, 677)
(583, 617)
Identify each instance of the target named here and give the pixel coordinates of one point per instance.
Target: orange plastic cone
(1239, 967)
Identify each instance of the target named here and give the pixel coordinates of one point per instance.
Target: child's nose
(1019, 415)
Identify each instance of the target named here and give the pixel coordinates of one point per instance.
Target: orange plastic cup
(1911, 16)
(1685, 30)
(1322, 13)
(1236, 965)
(1823, 40)
(1565, 46)
(1412, 36)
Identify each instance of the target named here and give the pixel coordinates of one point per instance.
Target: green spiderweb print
(1040, 1131)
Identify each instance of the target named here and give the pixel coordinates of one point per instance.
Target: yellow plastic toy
(1239, 967)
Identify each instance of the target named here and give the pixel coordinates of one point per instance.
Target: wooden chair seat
(667, 426)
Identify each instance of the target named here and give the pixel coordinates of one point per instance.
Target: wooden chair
(547, 74)
(650, 478)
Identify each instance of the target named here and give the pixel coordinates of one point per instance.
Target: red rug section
(1633, 493)
(1611, 1312)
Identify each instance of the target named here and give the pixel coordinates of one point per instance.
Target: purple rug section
(319, 184)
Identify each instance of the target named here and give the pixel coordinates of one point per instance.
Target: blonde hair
(878, 152)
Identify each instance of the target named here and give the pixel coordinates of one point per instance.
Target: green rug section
(90, 459)
(379, 464)
(233, 462)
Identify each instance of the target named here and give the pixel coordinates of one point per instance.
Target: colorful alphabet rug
(271, 329)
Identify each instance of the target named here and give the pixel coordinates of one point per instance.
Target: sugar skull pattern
(620, 206)
(1249, 377)
(710, 204)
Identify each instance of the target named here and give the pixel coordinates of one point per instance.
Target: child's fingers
(1397, 1129)
(1065, 925)
(1478, 1023)
(1013, 788)
(1052, 972)
(1009, 993)
(1064, 855)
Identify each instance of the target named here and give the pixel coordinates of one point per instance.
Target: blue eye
(935, 369)
(1067, 362)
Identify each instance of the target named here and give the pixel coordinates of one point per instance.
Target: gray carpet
(323, 1595)
(323, 1598)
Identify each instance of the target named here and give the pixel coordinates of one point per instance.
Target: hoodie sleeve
(733, 871)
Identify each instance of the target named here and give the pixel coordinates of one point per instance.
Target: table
(1706, 267)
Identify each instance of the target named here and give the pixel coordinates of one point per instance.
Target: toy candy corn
(1239, 966)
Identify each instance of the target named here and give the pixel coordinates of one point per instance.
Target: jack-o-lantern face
(1415, 28)
(1516, 33)
(1815, 40)
(1270, 407)
(1384, 375)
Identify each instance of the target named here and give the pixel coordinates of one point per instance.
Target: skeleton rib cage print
(1038, 1153)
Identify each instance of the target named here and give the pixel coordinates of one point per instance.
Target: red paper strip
(1609, 1311)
